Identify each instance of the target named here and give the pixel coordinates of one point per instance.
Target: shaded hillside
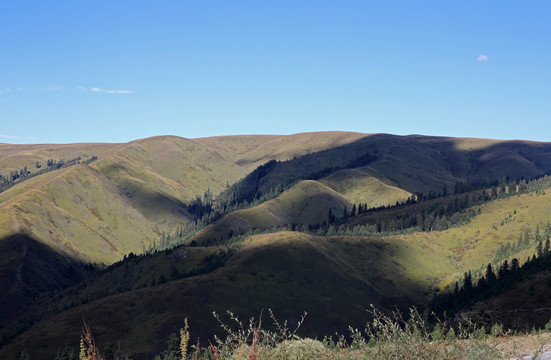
(522, 307)
(30, 268)
(289, 272)
(415, 164)
(251, 151)
(377, 170)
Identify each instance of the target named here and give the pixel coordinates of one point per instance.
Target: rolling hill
(132, 194)
(290, 272)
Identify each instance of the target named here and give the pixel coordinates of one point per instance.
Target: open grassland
(16, 157)
(251, 151)
(139, 189)
(473, 246)
(358, 186)
(187, 161)
(76, 212)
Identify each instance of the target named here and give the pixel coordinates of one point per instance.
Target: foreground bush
(385, 337)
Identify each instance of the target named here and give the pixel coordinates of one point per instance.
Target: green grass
(358, 186)
(75, 211)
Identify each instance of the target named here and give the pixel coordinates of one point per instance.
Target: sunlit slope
(473, 246)
(358, 186)
(16, 157)
(76, 211)
(159, 199)
(189, 162)
(306, 203)
(333, 279)
(251, 151)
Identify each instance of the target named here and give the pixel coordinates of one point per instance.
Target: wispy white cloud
(13, 137)
(100, 90)
(482, 57)
(54, 88)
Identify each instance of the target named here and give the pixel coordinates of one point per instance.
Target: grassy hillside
(132, 193)
(187, 161)
(152, 179)
(358, 186)
(76, 211)
(334, 278)
(306, 203)
(121, 203)
(251, 151)
(16, 157)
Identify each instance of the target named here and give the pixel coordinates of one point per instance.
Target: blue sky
(115, 71)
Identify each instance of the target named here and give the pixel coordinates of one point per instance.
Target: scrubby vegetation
(386, 336)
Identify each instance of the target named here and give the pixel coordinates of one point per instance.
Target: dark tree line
(253, 188)
(443, 212)
(496, 279)
(16, 177)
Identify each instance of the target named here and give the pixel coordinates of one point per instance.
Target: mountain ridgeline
(151, 232)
